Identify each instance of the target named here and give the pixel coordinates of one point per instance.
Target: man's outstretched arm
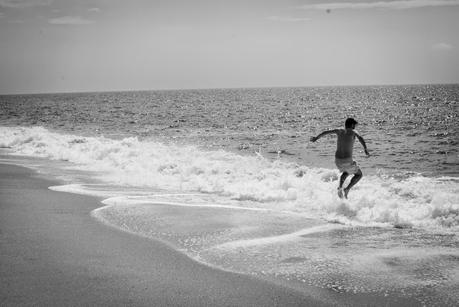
(362, 141)
(315, 138)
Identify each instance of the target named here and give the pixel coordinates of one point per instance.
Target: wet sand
(54, 253)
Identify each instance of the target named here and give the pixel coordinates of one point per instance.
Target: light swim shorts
(347, 165)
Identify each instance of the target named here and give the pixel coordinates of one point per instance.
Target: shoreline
(55, 253)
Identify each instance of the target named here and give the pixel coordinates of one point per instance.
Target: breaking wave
(250, 181)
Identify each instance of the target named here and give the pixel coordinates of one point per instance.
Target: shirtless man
(343, 155)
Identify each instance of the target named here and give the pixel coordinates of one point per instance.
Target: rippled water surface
(411, 128)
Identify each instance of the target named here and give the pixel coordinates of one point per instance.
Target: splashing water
(252, 181)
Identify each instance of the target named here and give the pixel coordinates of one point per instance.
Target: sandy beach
(54, 253)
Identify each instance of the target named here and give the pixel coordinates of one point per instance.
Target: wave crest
(250, 180)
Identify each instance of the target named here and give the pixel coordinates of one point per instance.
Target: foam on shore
(406, 200)
(408, 263)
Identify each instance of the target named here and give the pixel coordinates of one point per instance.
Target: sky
(108, 45)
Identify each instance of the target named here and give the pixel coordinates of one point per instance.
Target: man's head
(350, 123)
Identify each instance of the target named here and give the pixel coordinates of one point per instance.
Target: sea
(230, 178)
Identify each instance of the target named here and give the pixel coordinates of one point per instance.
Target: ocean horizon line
(225, 88)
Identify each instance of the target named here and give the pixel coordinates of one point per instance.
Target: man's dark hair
(350, 122)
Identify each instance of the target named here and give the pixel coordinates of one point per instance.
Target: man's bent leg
(353, 182)
(341, 181)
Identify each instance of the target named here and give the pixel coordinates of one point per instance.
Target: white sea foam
(250, 181)
(279, 238)
(80, 189)
(152, 199)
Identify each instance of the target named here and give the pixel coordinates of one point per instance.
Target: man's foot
(346, 191)
(340, 193)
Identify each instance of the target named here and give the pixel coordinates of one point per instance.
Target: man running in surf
(343, 155)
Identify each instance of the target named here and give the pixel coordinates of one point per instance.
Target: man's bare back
(345, 143)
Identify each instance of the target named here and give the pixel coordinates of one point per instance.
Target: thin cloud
(70, 20)
(94, 10)
(287, 19)
(16, 21)
(395, 5)
(442, 47)
(20, 4)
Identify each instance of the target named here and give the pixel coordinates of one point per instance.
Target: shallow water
(282, 245)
